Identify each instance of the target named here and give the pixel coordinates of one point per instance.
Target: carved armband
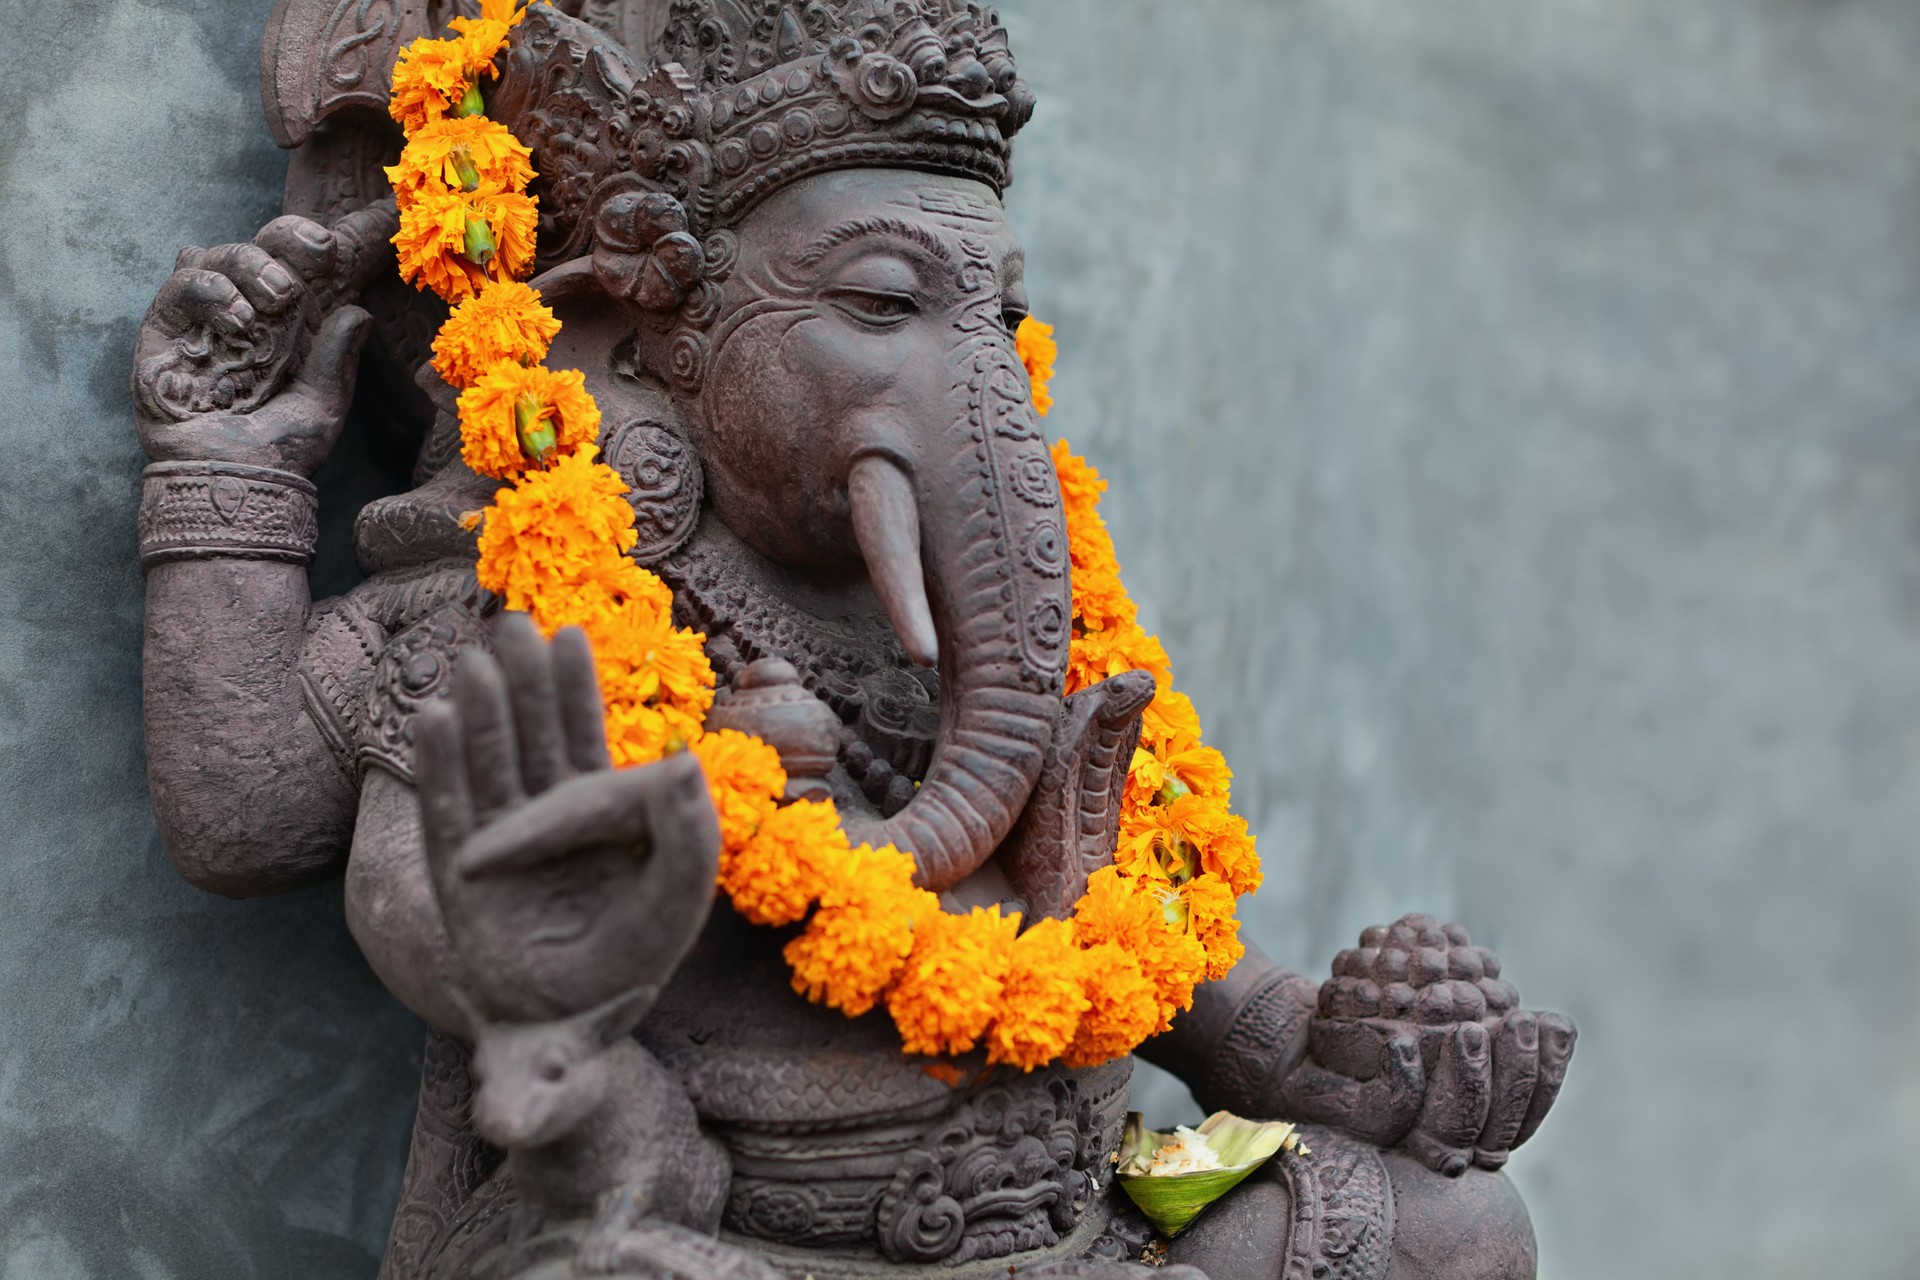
(200, 510)
(1265, 1042)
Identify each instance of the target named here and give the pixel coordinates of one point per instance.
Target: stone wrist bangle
(200, 510)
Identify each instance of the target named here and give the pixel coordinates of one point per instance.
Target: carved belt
(1011, 1167)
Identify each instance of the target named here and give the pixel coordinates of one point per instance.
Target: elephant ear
(644, 434)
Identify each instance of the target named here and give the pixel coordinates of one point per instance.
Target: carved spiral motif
(687, 361)
(926, 1223)
(884, 87)
(702, 306)
(664, 483)
(723, 255)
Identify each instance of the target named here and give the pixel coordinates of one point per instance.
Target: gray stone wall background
(1513, 415)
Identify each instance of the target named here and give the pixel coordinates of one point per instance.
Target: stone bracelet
(200, 510)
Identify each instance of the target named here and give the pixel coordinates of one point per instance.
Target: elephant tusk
(886, 520)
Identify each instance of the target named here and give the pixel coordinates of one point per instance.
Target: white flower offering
(1187, 1153)
(1172, 1177)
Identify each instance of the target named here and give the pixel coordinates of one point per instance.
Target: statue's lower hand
(248, 352)
(562, 882)
(1419, 1043)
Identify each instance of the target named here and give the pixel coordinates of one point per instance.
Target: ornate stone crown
(742, 96)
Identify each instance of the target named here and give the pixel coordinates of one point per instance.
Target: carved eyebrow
(847, 232)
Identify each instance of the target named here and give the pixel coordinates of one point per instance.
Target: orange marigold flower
(951, 986)
(746, 780)
(1200, 769)
(1038, 351)
(546, 537)
(454, 242)
(656, 683)
(1114, 910)
(1220, 838)
(1170, 724)
(1080, 483)
(1175, 963)
(1122, 1007)
(1147, 848)
(461, 154)
(1100, 602)
(1127, 912)
(504, 321)
(1211, 915)
(432, 78)
(1043, 1000)
(777, 876)
(507, 11)
(1100, 655)
(859, 940)
(517, 416)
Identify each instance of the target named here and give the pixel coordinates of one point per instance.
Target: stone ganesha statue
(774, 231)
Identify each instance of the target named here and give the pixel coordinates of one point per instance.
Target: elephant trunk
(968, 554)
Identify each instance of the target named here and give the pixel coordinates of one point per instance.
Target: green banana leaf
(1172, 1201)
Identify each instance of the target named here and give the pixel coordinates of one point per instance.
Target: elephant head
(864, 424)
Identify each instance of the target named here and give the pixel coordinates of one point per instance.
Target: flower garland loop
(1080, 991)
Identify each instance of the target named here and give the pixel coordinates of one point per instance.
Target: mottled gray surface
(1512, 414)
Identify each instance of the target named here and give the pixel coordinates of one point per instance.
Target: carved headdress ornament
(739, 97)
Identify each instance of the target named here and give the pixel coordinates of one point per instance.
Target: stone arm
(1244, 1035)
(1415, 1043)
(248, 795)
(244, 368)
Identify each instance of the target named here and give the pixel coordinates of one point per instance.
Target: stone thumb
(332, 363)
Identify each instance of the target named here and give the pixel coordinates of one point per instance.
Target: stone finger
(685, 828)
(1516, 1069)
(363, 243)
(440, 771)
(262, 278)
(306, 247)
(1315, 1095)
(1352, 1048)
(331, 368)
(536, 702)
(1557, 1038)
(195, 300)
(1461, 1088)
(1447, 1161)
(493, 766)
(582, 718)
(1401, 1088)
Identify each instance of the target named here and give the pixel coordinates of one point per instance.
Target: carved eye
(1013, 306)
(871, 307)
(552, 1066)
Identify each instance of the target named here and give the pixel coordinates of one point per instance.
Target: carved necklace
(555, 542)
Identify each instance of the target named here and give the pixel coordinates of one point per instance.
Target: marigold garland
(553, 543)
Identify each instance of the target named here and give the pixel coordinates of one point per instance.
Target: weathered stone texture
(1546, 559)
